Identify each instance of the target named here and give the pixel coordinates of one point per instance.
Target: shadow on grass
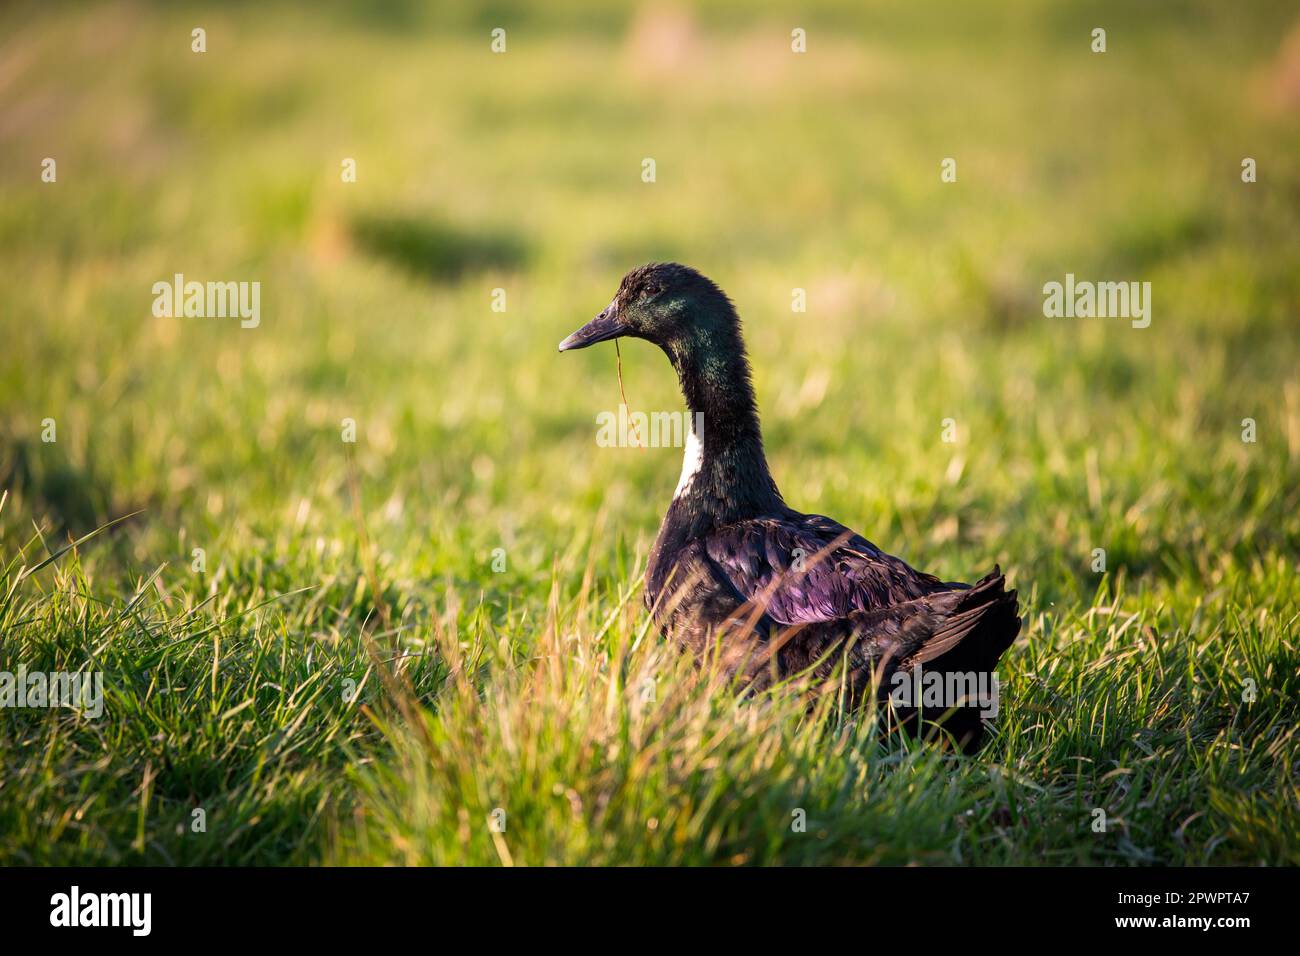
(1145, 238)
(76, 498)
(434, 250)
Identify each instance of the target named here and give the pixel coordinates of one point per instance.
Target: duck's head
(668, 304)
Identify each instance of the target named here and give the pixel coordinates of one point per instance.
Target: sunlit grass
(245, 684)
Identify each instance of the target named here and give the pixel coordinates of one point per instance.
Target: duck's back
(811, 568)
(802, 591)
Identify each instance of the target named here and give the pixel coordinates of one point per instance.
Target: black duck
(774, 592)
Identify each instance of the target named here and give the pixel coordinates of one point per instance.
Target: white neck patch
(691, 462)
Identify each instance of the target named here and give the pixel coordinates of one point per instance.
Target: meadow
(427, 645)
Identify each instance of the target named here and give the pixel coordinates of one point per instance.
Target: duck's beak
(602, 328)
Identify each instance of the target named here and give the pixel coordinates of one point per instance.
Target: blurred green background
(522, 171)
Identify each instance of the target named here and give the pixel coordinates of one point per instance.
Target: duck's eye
(649, 291)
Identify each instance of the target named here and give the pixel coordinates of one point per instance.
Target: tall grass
(579, 738)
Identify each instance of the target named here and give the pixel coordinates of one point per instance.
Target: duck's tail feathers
(982, 623)
(964, 647)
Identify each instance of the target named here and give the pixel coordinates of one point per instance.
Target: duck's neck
(724, 477)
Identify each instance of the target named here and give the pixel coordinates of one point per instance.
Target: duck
(773, 593)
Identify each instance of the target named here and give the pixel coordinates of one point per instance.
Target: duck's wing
(807, 568)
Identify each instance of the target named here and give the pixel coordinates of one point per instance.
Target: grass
(342, 675)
